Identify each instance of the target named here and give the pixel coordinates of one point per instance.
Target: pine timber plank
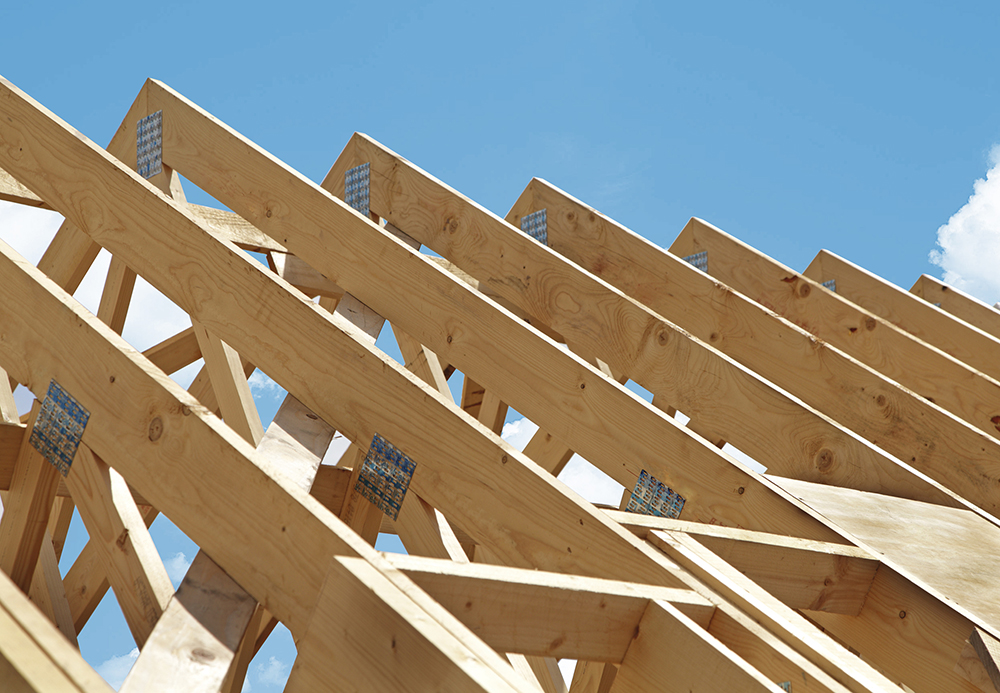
(196, 620)
(911, 637)
(914, 363)
(48, 593)
(12, 191)
(8, 407)
(784, 353)
(34, 656)
(971, 668)
(670, 653)
(964, 341)
(230, 385)
(959, 552)
(303, 277)
(357, 664)
(59, 521)
(173, 353)
(960, 304)
(803, 574)
(545, 614)
(593, 677)
(665, 359)
(988, 650)
(126, 551)
(248, 484)
(195, 639)
(813, 653)
(117, 295)
(26, 510)
(606, 423)
(241, 485)
(918, 432)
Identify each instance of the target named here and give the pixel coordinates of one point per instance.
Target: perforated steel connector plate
(699, 260)
(356, 188)
(149, 145)
(536, 225)
(652, 497)
(385, 476)
(59, 427)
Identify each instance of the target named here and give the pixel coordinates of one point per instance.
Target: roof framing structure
(862, 560)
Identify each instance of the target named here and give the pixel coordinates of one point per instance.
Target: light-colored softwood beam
(545, 614)
(8, 407)
(640, 346)
(303, 277)
(867, 403)
(242, 481)
(960, 304)
(412, 665)
(959, 387)
(672, 653)
(964, 341)
(197, 635)
(173, 353)
(34, 656)
(126, 551)
(557, 391)
(729, 321)
(607, 550)
(225, 370)
(117, 295)
(26, 510)
(987, 649)
(801, 573)
(49, 594)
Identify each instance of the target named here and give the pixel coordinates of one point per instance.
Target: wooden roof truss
(862, 561)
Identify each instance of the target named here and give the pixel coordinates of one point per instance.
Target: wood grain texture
(671, 653)
(613, 423)
(954, 336)
(34, 656)
(600, 321)
(26, 509)
(960, 304)
(125, 549)
(917, 432)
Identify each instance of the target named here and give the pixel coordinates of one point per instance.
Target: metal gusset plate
(699, 260)
(536, 226)
(385, 476)
(653, 497)
(149, 145)
(59, 427)
(356, 188)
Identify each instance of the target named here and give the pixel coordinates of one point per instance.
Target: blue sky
(863, 128)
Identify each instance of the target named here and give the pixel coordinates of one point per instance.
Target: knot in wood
(804, 289)
(155, 429)
(824, 460)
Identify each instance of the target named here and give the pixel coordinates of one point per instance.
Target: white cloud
(116, 669)
(246, 685)
(261, 385)
(274, 673)
(177, 567)
(970, 241)
(518, 433)
(28, 230)
(590, 482)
